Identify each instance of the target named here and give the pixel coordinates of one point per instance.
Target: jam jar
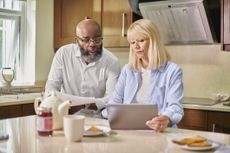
(44, 121)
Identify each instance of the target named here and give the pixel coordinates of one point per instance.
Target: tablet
(130, 116)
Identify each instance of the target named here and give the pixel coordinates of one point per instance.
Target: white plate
(105, 131)
(213, 146)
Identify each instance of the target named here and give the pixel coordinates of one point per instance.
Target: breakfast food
(94, 129)
(200, 144)
(194, 141)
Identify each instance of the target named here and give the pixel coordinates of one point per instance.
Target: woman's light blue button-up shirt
(165, 89)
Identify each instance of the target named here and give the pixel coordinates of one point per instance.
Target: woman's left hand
(158, 123)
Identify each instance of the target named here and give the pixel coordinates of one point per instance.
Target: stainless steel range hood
(180, 21)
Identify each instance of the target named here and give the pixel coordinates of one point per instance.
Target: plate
(105, 131)
(213, 146)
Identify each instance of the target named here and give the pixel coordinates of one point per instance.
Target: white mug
(74, 127)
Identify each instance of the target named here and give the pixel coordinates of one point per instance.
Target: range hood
(179, 21)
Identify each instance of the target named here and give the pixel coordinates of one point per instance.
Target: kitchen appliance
(182, 21)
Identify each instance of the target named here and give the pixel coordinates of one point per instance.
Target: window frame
(25, 57)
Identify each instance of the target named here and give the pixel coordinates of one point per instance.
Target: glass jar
(44, 121)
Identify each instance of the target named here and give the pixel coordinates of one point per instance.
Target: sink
(199, 101)
(227, 103)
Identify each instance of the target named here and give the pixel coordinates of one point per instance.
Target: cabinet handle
(123, 34)
(213, 127)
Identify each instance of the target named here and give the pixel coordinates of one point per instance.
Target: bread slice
(94, 129)
(200, 144)
(190, 140)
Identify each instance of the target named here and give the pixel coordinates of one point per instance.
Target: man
(84, 72)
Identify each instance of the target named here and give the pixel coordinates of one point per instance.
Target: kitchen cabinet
(10, 111)
(19, 110)
(219, 122)
(67, 13)
(194, 120)
(114, 17)
(205, 120)
(16, 110)
(225, 24)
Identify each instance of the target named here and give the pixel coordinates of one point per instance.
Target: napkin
(224, 149)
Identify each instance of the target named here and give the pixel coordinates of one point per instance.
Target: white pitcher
(59, 109)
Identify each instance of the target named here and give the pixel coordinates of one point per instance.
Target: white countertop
(204, 104)
(216, 107)
(23, 138)
(6, 100)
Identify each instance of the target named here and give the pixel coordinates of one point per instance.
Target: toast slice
(94, 129)
(200, 144)
(190, 140)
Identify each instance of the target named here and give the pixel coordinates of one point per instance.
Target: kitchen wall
(206, 68)
(44, 39)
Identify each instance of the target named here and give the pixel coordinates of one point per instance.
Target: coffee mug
(74, 127)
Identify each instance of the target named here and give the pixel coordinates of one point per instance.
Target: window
(17, 38)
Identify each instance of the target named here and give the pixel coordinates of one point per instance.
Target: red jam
(44, 121)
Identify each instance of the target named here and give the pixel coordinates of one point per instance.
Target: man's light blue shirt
(165, 89)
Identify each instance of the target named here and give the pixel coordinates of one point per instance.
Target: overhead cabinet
(114, 17)
(67, 13)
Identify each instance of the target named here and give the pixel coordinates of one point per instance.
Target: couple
(87, 73)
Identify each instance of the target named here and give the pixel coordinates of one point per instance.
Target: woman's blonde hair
(157, 55)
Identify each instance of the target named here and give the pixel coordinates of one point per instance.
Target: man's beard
(91, 58)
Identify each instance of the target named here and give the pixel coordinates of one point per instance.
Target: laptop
(130, 116)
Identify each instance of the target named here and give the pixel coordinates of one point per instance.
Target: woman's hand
(158, 123)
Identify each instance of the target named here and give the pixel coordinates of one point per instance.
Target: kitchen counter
(204, 104)
(190, 103)
(23, 138)
(216, 107)
(17, 99)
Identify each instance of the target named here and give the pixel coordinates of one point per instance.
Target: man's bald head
(88, 27)
(88, 37)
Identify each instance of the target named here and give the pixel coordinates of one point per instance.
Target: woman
(149, 77)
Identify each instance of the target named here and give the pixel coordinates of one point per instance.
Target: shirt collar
(77, 50)
(162, 67)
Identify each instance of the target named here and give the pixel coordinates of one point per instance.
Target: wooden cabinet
(10, 111)
(114, 17)
(205, 120)
(28, 109)
(219, 121)
(16, 110)
(67, 13)
(225, 24)
(194, 120)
